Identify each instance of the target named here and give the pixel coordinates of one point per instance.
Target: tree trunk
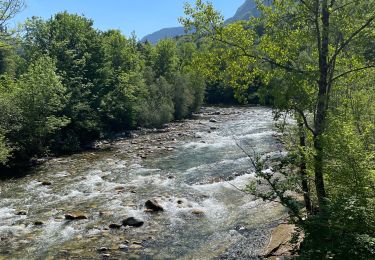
(320, 119)
(303, 168)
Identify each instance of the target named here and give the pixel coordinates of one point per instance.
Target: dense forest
(65, 84)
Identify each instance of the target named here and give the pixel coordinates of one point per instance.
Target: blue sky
(141, 16)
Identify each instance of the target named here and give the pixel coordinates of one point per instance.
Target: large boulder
(153, 205)
(281, 242)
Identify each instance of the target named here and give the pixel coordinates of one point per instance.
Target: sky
(141, 16)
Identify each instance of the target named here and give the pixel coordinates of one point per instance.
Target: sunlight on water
(196, 179)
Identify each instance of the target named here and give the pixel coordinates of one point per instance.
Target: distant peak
(244, 12)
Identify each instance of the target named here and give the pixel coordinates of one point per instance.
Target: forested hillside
(65, 84)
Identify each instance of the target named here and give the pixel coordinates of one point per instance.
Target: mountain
(244, 12)
(165, 33)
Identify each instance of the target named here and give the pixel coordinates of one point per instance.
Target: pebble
(21, 213)
(135, 247)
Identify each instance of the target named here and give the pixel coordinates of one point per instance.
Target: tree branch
(307, 6)
(10, 9)
(302, 114)
(342, 6)
(350, 71)
(347, 42)
(266, 59)
(318, 34)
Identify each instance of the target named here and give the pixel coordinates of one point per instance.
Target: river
(195, 171)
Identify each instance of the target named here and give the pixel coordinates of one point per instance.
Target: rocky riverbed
(173, 193)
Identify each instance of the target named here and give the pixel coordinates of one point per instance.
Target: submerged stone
(197, 212)
(133, 222)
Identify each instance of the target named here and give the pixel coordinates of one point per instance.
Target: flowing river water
(194, 169)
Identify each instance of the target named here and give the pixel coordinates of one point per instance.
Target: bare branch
(234, 186)
(245, 152)
(9, 8)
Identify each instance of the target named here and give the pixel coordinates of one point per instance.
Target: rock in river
(198, 212)
(153, 205)
(114, 226)
(135, 247)
(21, 213)
(75, 216)
(133, 222)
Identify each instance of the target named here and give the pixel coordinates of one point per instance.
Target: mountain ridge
(244, 12)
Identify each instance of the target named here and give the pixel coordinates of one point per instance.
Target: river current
(194, 169)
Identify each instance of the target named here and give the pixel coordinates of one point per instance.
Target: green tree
(166, 58)
(41, 98)
(5, 151)
(77, 49)
(121, 106)
(312, 57)
(306, 46)
(183, 96)
(124, 83)
(9, 118)
(157, 107)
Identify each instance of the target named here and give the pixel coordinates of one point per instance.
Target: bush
(347, 231)
(157, 107)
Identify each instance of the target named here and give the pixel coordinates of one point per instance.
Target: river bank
(193, 169)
